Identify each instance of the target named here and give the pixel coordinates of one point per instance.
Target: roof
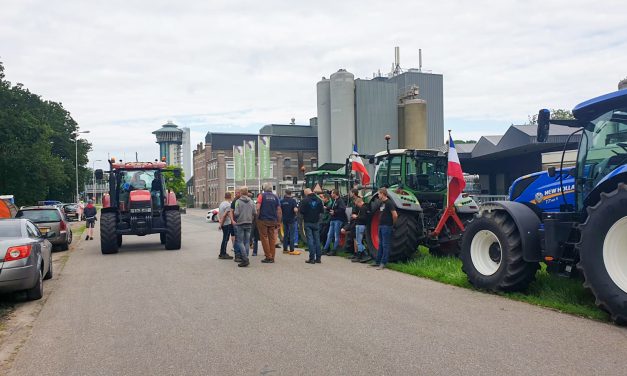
(168, 127)
(519, 140)
(464, 148)
(226, 141)
(289, 130)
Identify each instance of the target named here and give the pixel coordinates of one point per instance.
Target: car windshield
(40, 215)
(603, 149)
(10, 229)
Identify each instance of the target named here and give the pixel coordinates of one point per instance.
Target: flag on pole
(456, 182)
(238, 162)
(250, 158)
(359, 167)
(264, 157)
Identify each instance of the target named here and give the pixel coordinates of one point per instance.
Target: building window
(230, 171)
(287, 163)
(314, 163)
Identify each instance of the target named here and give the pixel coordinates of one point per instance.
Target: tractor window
(427, 174)
(141, 180)
(388, 171)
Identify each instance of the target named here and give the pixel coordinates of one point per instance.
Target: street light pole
(76, 150)
(93, 179)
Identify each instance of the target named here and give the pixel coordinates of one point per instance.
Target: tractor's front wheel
(603, 254)
(492, 256)
(406, 235)
(108, 237)
(173, 233)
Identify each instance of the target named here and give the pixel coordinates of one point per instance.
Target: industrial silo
(414, 124)
(324, 121)
(342, 89)
(401, 125)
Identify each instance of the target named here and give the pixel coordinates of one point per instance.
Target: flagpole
(245, 164)
(258, 165)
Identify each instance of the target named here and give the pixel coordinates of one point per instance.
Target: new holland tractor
(417, 184)
(138, 204)
(578, 223)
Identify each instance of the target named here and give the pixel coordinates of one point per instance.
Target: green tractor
(417, 184)
(327, 177)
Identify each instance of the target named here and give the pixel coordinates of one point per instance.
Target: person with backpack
(338, 218)
(244, 214)
(90, 213)
(288, 208)
(268, 221)
(311, 208)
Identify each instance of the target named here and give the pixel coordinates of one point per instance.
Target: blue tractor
(571, 219)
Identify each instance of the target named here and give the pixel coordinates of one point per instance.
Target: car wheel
(37, 291)
(69, 237)
(50, 273)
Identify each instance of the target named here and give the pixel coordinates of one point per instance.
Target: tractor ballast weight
(573, 220)
(138, 204)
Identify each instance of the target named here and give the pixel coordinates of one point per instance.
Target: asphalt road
(148, 311)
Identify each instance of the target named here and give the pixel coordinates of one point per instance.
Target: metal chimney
(420, 59)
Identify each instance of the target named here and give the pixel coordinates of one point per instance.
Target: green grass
(562, 294)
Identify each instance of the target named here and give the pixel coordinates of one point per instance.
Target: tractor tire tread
(173, 233)
(108, 237)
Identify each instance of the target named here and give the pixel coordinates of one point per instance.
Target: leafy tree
(37, 157)
(559, 114)
(174, 184)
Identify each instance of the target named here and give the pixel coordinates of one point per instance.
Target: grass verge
(562, 294)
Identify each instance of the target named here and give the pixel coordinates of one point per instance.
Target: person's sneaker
(332, 254)
(91, 238)
(310, 261)
(381, 267)
(373, 265)
(318, 261)
(87, 237)
(356, 259)
(243, 264)
(237, 259)
(278, 246)
(225, 257)
(366, 259)
(267, 261)
(294, 253)
(285, 251)
(254, 253)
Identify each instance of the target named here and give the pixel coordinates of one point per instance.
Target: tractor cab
(328, 177)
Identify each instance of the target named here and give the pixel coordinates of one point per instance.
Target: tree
(174, 184)
(37, 159)
(558, 114)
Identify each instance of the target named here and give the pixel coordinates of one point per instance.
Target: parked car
(26, 257)
(212, 215)
(71, 211)
(49, 219)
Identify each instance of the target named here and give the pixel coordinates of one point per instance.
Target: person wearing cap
(90, 219)
(289, 210)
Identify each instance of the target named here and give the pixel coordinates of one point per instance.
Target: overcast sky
(123, 68)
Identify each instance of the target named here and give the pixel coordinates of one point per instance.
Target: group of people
(245, 223)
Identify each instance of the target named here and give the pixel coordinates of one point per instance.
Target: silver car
(25, 258)
(49, 219)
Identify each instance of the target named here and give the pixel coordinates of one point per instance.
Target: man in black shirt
(288, 208)
(361, 221)
(387, 219)
(338, 218)
(311, 207)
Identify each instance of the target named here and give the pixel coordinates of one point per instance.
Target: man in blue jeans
(244, 214)
(361, 221)
(288, 209)
(311, 207)
(387, 219)
(338, 217)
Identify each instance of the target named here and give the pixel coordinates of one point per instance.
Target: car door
(42, 244)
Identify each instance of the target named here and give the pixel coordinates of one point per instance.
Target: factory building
(407, 105)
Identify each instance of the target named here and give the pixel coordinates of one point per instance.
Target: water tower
(170, 139)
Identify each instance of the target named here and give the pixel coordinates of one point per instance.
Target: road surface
(148, 311)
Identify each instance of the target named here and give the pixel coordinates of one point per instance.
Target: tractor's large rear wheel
(603, 253)
(492, 256)
(108, 237)
(173, 233)
(405, 236)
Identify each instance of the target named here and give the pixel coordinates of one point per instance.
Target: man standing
(90, 219)
(268, 221)
(361, 220)
(236, 249)
(386, 222)
(244, 214)
(338, 217)
(225, 225)
(311, 207)
(288, 208)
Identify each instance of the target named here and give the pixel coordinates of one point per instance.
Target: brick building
(292, 147)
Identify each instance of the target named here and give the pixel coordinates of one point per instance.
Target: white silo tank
(342, 114)
(324, 121)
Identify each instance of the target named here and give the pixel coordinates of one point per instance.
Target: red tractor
(138, 204)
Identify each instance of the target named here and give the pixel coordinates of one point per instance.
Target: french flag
(456, 182)
(359, 167)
